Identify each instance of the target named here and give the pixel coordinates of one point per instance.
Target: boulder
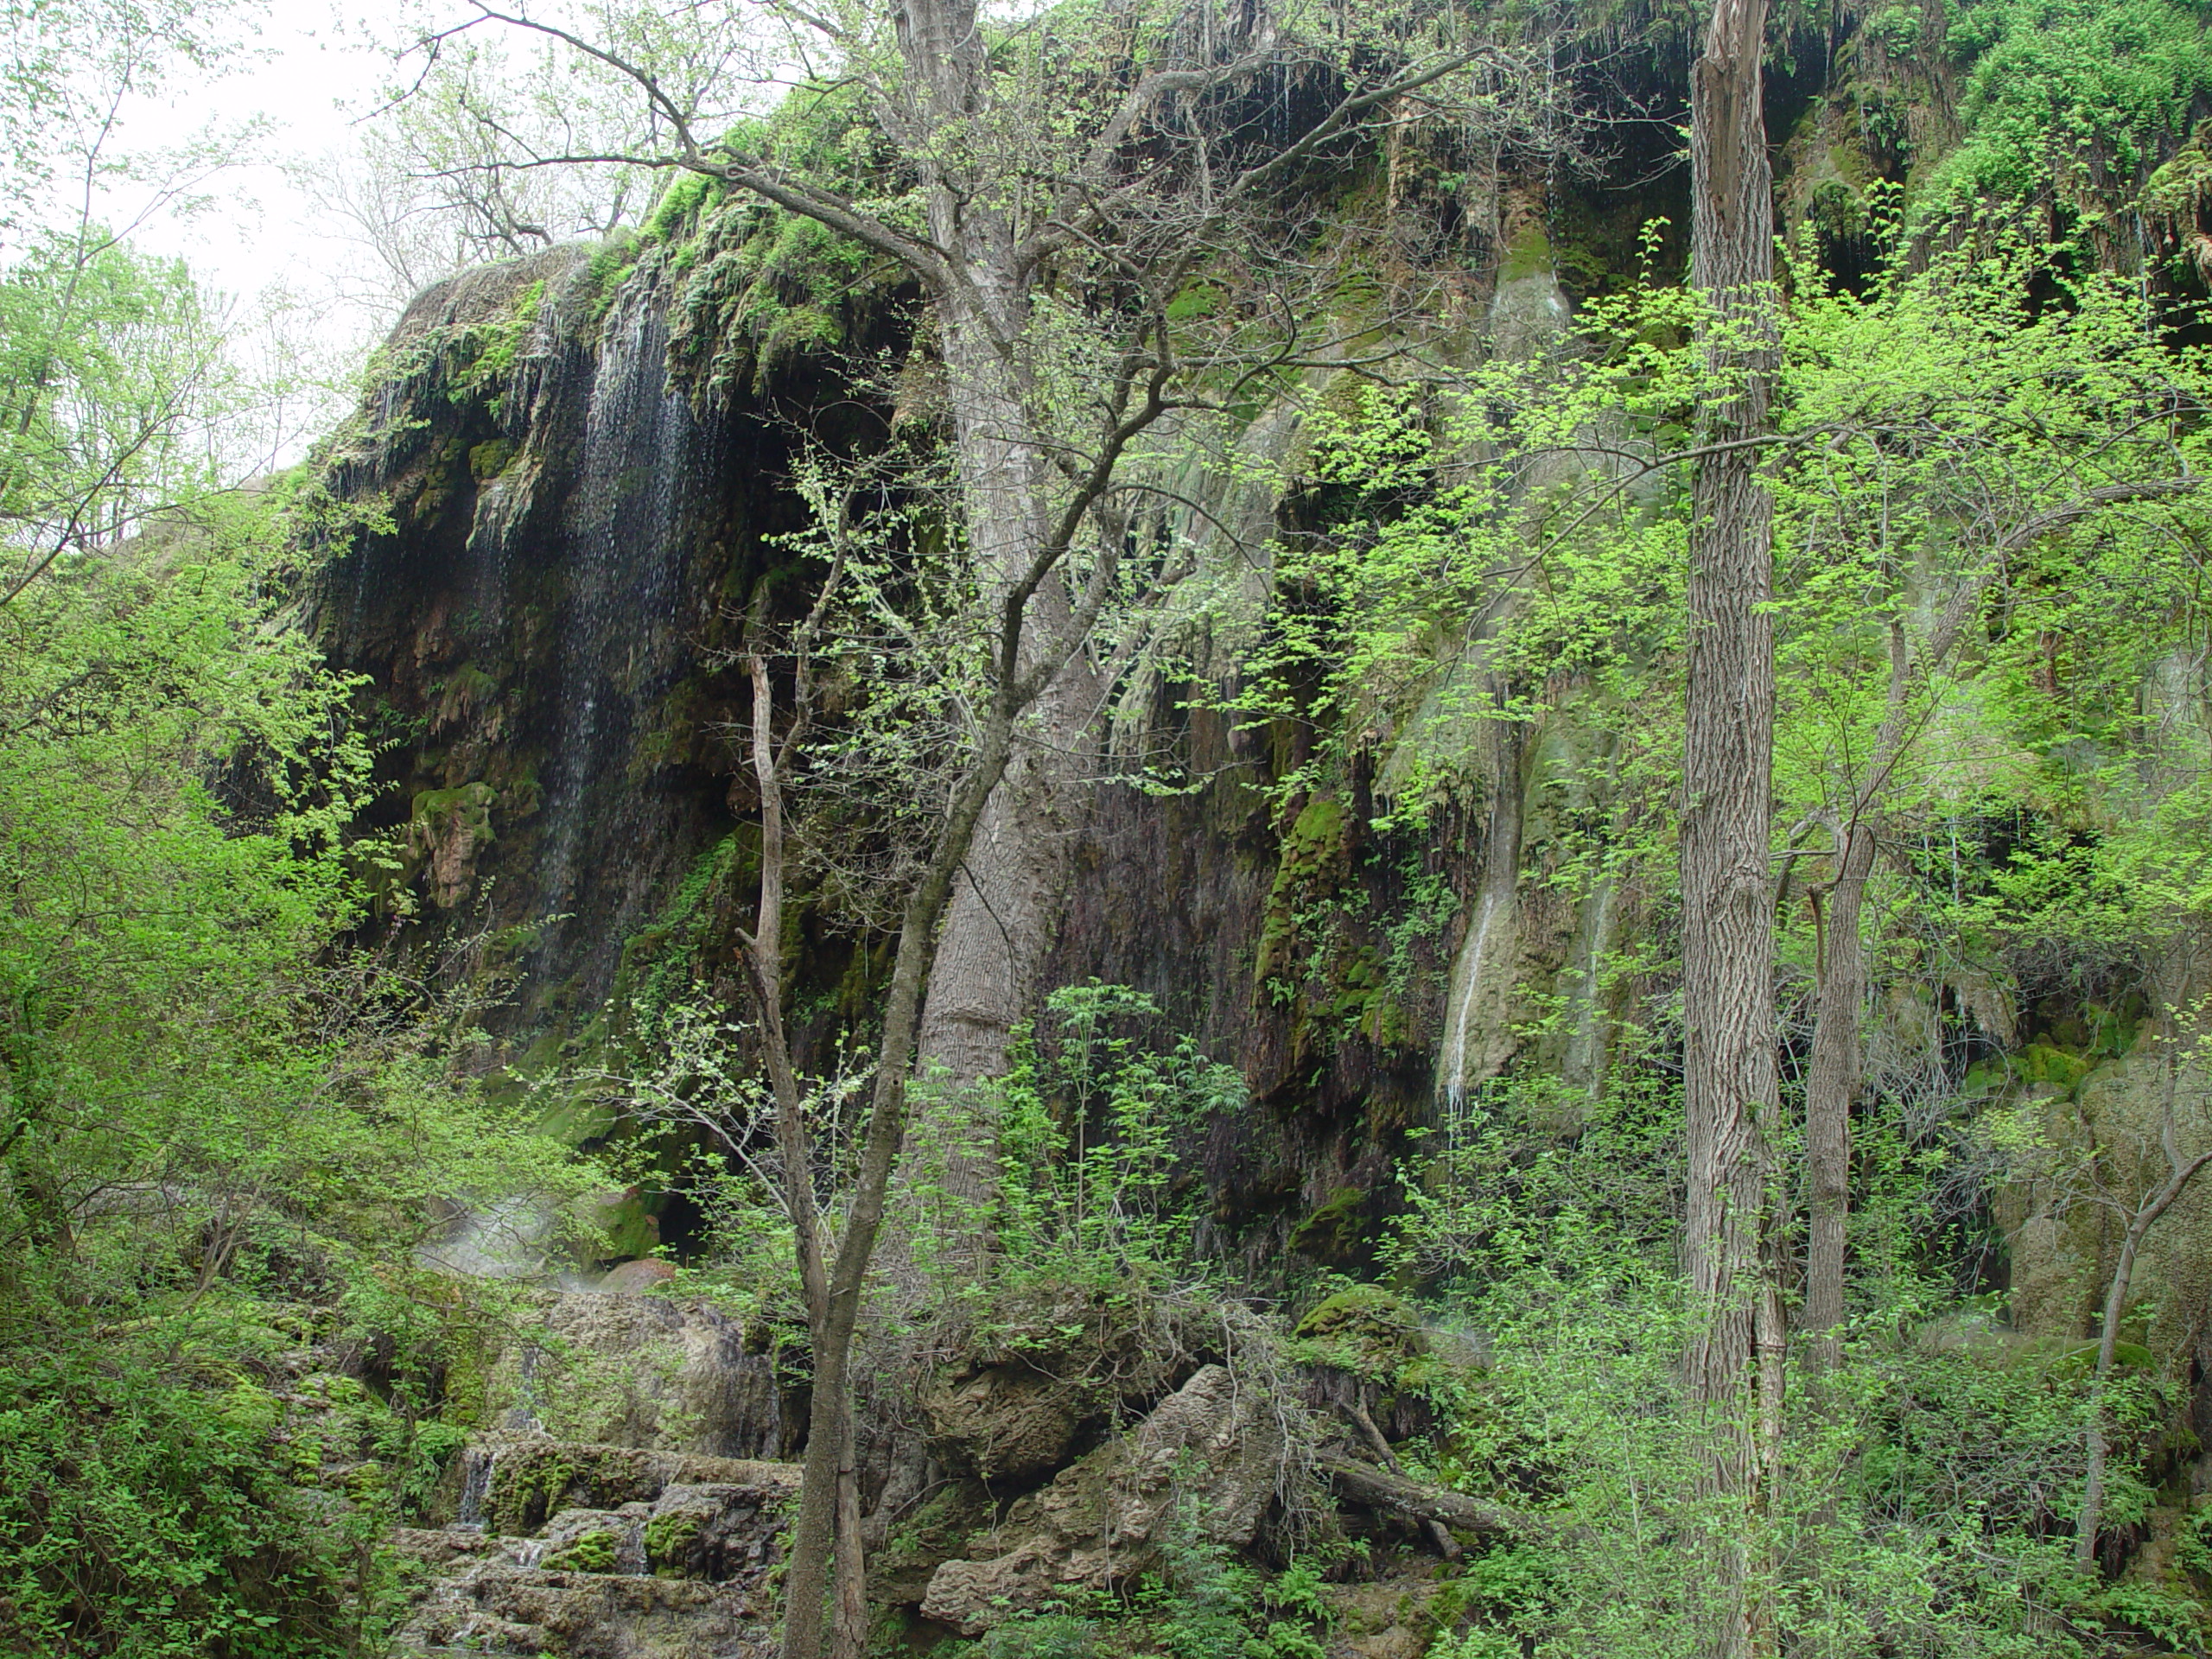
(1211, 1456)
(1004, 1422)
(615, 1369)
(635, 1277)
(599, 1552)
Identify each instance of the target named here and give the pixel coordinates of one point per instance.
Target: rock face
(1210, 1456)
(572, 1551)
(1005, 1422)
(642, 1371)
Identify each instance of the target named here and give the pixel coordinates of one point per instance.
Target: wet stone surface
(575, 1550)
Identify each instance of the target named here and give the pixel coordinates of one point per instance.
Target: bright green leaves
(1098, 1117)
(2070, 98)
(110, 371)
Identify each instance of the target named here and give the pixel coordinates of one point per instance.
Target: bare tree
(1735, 1360)
(1020, 667)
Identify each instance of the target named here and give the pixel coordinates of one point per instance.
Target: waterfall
(1583, 1065)
(1475, 972)
(1467, 981)
(1529, 314)
(475, 1487)
(522, 1417)
(622, 627)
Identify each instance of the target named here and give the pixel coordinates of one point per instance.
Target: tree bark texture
(1005, 909)
(1733, 1363)
(1006, 906)
(1379, 1489)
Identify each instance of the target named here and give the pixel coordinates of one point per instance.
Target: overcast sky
(263, 233)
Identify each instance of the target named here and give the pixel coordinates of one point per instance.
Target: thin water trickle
(522, 1416)
(1586, 1048)
(1473, 976)
(1451, 1070)
(475, 1487)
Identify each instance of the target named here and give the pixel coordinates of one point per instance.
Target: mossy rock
(487, 461)
(2080, 1359)
(669, 1538)
(1366, 1331)
(1315, 860)
(2043, 1062)
(468, 806)
(1333, 1232)
(531, 1482)
(1528, 254)
(594, 1552)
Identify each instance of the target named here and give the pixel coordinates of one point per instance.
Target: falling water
(1473, 974)
(622, 631)
(1467, 977)
(475, 1487)
(1584, 1062)
(522, 1416)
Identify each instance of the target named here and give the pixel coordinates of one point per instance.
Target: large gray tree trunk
(1732, 1367)
(1006, 908)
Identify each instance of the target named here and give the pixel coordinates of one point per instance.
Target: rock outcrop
(572, 1551)
(643, 1371)
(1211, 1456)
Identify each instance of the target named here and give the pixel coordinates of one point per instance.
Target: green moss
(487, 461)
(1529, 254)
(1363, 1330)
(532, 1480)
(592, 1552)
(2080, 1358)
(2175, 191)
(676, 214)
(1311, 865)
(669, 1538)
(469, 807)
(2043, 1062)
(1836, 212)
(1332, 1232)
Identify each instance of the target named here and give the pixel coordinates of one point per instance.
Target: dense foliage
(233, 1122)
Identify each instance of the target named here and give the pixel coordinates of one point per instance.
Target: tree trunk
(1833, 1076)
(1832, 1080)
(829, 1507)
(1004, 911)
(1733, 1365)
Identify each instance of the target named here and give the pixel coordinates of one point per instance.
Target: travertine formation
(571, 1550)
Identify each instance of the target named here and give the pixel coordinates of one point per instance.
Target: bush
(142, 1515)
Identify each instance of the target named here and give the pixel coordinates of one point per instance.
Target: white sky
(263, 234)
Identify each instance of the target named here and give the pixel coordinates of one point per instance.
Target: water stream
(1583, 1065)
(622, 628)
(1475, 984)
(475, 1487)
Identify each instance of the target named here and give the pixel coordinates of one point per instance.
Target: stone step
(575, 1548)
(500, 1609)
(513, 1486)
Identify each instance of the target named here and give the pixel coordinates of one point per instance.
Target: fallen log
(1439, 1534)
(1378, 1489)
